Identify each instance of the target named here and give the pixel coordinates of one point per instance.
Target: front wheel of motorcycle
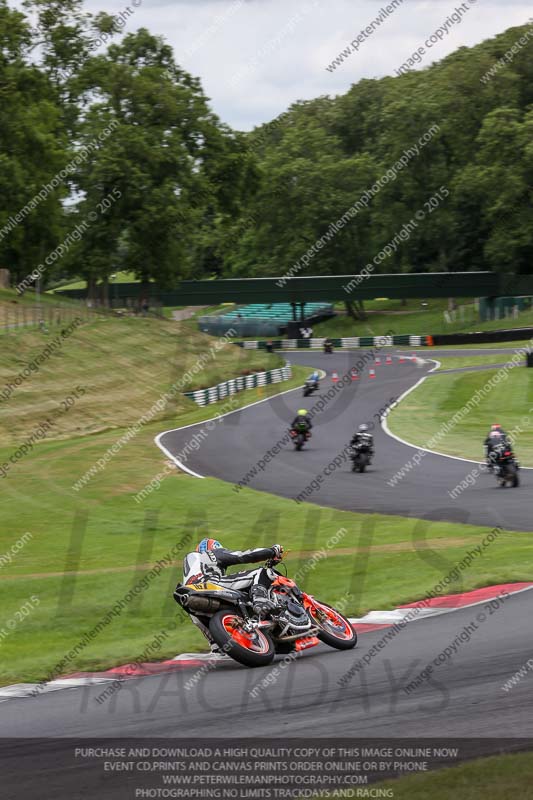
(253, 649)
(334, 629)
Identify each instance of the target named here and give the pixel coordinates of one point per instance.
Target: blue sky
(255, 57)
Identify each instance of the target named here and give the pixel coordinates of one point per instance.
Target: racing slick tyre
(251, 649)
(360, 462)
(363, 461)
(334, 629)
(300, 441)
(512, 474)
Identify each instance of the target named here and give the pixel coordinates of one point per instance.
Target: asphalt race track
(462, 698)
(235, 446)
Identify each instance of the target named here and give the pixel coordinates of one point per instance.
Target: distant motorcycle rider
(302, 421)
(210, 561)
(314, 378)
(363, 438)
(494, 443)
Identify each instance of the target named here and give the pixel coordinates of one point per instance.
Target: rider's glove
(278, 553)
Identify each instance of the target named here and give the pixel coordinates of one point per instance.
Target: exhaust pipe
(308, 632)
(205, 604)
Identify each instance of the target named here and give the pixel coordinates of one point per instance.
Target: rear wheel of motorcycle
(251, 649)
(334, 629)
(513, 476)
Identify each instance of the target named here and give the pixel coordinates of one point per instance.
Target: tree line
(120, 142)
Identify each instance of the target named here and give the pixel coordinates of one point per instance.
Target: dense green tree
(324, 152)
(33, 148)
(161, 187)
(168, 164)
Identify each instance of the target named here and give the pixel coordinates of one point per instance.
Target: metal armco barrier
(347, 342)
(213, 394)
(509, 335)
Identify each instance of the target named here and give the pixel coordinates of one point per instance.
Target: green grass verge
(495, 778)
(457, 362)
(413, 319)
(120, 277)
(29, 298)
(510, 402)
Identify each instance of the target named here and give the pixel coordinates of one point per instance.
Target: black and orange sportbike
(298, 622)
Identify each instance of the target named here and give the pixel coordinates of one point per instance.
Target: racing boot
(261, 602)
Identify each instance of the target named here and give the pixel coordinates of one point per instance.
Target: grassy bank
(122, 365)
(386, 316)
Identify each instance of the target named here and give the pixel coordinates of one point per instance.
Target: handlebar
(273, 562)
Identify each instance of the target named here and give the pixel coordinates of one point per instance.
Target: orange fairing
(282, 581)
(304, 644)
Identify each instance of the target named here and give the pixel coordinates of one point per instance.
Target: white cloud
(281, 48)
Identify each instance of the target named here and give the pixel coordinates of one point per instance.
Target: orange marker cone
(355, 376)
(335, 377)
(413, 356)
(378, 361)
(371, 373)
(402, 360)
(388, 360)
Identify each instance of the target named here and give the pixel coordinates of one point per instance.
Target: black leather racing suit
(212, 566)
(494, 443)
(299, 420)
(363, 440)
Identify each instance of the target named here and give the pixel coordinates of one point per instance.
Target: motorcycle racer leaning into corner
(209, 562)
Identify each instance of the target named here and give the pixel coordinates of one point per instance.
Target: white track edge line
(179, 463)
(438, 611)
(385, 426)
